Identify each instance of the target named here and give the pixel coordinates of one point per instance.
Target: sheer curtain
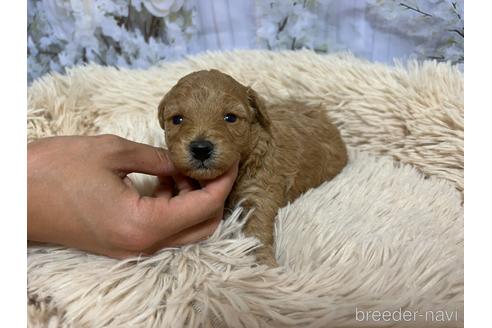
(231, 24)
(141, 33)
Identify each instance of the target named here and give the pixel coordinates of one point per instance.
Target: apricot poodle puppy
(211, 121)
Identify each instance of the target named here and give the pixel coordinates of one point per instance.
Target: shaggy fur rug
(384, 235)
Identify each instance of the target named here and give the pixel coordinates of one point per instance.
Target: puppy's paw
(265, 255)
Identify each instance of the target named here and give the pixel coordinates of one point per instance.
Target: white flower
(434, 25)
(162, 8)
(31, 46)
(73, 20)
(110, 28)
(267, 31)
(58, 15)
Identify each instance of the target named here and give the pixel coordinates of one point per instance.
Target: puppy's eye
(177, 119)
(230, 118)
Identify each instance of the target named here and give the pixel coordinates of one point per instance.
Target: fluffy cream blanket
(385, 235)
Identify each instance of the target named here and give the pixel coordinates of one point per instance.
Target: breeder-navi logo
(401, 315)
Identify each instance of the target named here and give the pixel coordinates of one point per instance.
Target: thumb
(220, 187)
(141, 158)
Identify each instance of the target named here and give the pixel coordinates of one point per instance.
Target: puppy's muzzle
(201, 149)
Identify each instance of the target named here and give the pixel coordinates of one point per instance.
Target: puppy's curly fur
(283, 150)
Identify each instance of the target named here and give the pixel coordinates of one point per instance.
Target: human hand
(79, 196)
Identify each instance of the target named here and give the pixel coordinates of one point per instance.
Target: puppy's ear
(255, 102)
(160, 113)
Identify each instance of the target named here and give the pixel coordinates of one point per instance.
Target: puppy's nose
(201, 149)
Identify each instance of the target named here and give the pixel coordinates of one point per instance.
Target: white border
(478, 148)
(478, 92)
(13, 164)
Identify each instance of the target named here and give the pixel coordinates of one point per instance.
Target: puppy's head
(210, 121)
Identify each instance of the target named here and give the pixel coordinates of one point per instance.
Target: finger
(127, 181)
(188, 209)
(169, 216)
(130, 156)
(165, 188)
(184, 184)
(196, 204)
(193, 234)
(221, 186)
(197, 233)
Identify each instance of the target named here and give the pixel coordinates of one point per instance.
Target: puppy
(211, 121)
